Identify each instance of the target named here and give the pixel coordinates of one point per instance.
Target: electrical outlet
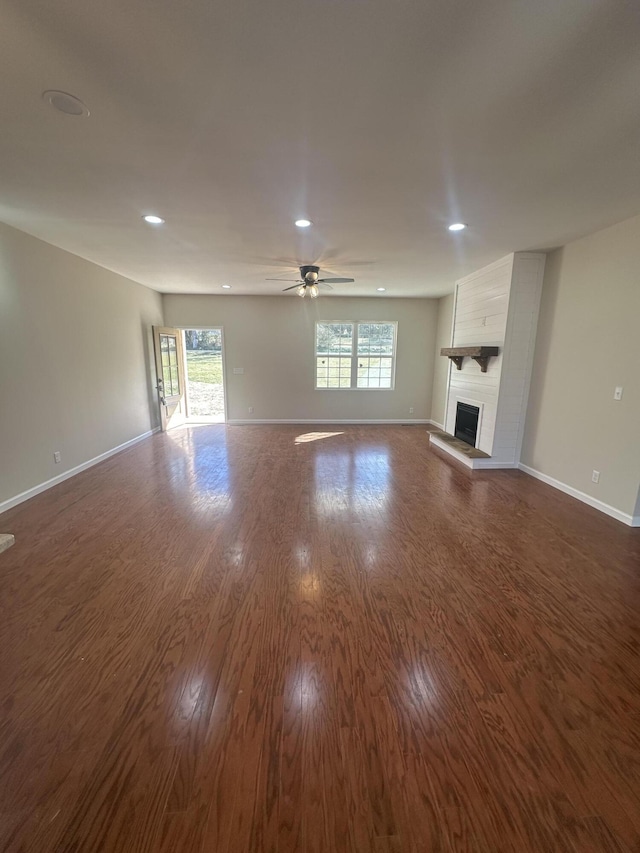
(250, 410)
(595, 476)
(57, 457)
(410, 410)
(617, 394)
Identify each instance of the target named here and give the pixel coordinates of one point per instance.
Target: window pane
(330, 341)
(169, 358)
(364, 336)
(166, 362)
(371, 373)
(375, 339)
(333, 372)
(334, 338)
(174, 379)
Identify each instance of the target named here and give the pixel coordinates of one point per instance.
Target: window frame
(354, 353)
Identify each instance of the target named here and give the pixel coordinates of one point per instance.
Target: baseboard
(489, 464)
(436, 424)
(66, 475)
(302, 422)
(625, 518)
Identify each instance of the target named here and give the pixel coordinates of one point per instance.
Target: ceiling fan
(310, 282)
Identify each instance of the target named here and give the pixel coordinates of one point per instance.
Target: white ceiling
(381, 120)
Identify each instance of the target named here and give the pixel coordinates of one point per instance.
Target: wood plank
(222, 639)
(471, 351)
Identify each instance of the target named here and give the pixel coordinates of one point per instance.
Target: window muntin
(170, 376)
(355, 355)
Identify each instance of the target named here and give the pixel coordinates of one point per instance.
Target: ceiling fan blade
(299, 280)
(346, 263)
(293, 286)
(338, 257)
(335, 280)
(324, 284)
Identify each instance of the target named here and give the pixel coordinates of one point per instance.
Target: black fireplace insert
(467, 423)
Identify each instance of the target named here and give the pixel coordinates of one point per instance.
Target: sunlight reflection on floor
(314, 436)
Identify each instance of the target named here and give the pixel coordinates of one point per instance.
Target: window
(170, 375)
(355, 355)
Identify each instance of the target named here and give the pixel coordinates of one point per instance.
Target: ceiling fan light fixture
(303, 223)
(310, 280)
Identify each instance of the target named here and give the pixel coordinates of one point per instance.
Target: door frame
(200, 328)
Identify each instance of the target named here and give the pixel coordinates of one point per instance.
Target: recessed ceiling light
(226, 287)
(381, 289)
(152, 219)
(303, 223)
(65, 103)
(457, 226)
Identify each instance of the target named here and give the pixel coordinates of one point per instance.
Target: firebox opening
(467, 423)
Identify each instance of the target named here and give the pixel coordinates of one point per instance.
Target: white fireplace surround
(496, 306)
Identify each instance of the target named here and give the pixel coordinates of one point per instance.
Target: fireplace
(467, 423)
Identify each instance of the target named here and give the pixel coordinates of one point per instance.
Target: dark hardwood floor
(295, 640)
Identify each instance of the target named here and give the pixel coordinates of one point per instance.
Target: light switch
(617, 394)
(238, 369)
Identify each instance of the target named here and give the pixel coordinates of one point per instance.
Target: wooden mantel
(479, 354)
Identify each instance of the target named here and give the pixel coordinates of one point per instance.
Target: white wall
(517, 360)
(497, 306)
(442, 365)
(272, 338)
(75, 361)
(480, 318)
(588, 343)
